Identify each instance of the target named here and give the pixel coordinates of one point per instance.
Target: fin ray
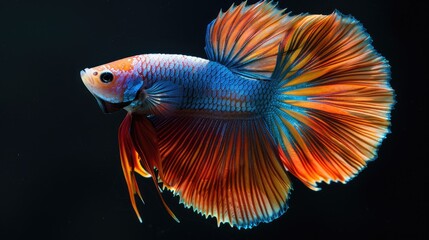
(138, 145)
(333, 100)
(246, 38)
(162, 98)
(228, 169)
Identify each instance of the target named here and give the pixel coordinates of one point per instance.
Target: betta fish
(279, 95)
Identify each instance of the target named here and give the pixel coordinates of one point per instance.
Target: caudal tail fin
(333, 100)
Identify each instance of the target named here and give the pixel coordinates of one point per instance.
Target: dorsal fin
(246, 39)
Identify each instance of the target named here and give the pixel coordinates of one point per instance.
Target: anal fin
(229, 169)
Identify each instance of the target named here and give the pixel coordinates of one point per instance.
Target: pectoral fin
(162, 98)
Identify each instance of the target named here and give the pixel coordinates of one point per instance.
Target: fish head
(114, 85)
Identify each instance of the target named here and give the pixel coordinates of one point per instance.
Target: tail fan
(333, 101)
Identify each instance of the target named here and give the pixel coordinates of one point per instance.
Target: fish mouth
(107, 107)
(82, 73)
(87, 80)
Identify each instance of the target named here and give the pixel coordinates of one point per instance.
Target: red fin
(228, 169)
(130, 161)
(334, 99)
(138, 145)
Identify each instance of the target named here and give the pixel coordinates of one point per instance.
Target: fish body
(306, 95)
(205, 86)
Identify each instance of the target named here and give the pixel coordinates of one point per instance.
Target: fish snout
(83, 72)
(86, 76)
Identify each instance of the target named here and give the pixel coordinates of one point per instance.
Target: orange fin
(334, 99)
(138, 146)
(229, 169)
(246, 38)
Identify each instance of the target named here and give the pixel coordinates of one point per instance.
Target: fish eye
(106, 77)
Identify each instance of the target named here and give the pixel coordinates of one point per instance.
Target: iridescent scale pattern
(206, 85)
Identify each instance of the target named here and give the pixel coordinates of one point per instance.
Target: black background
(60, 174)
